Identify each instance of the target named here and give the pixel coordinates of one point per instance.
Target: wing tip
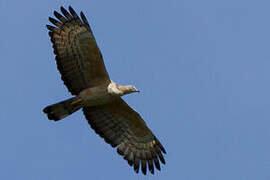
(72, 11)
(65, 13)
(50, 27)
(85, 21)
(143, 167)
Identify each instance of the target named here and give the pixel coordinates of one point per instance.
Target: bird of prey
(82, 69)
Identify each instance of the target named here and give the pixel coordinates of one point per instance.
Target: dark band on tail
(63, 109)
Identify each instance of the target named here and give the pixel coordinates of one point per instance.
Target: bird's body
(104, 94)
(99, 95)
(82, 69)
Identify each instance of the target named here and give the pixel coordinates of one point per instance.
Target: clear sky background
(203, 68)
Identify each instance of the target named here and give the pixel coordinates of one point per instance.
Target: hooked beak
(136, 90)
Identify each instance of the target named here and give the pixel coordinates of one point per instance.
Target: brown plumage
(82, 69)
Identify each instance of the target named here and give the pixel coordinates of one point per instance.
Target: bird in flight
(82, 69)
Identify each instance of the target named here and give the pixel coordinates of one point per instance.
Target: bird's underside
(82, 69)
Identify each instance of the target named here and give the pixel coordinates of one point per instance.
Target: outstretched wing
(123, 127)
(78, 57)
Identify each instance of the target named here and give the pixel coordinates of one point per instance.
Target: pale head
(127, 89)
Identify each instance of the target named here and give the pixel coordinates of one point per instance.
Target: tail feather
(63, 109)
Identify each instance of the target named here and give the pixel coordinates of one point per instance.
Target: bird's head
(127, 89)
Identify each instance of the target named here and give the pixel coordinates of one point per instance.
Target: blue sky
(203, 68)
